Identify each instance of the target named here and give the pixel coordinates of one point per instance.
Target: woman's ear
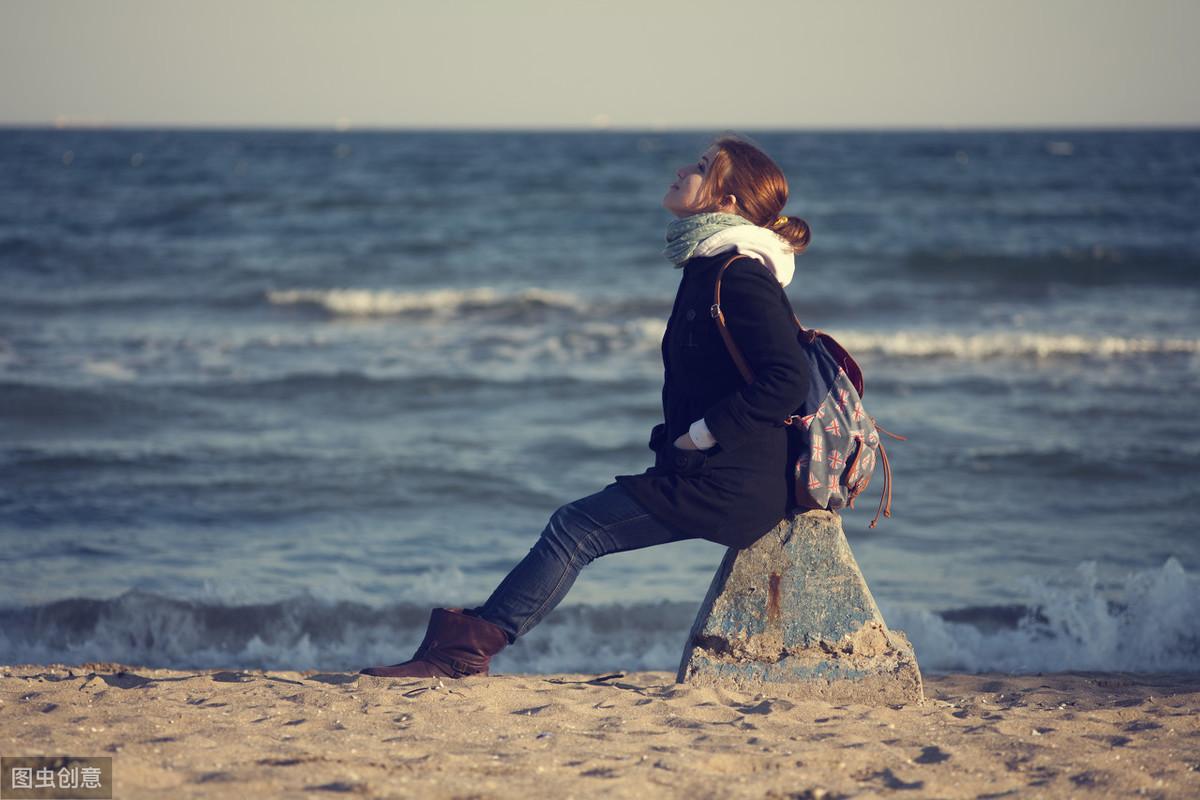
(728, 204)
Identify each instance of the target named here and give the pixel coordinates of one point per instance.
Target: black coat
(736, 491)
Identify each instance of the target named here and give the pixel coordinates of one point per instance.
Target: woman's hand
(684, 442)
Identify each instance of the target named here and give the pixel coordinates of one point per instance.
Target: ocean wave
(352, 388)
(1166, 458)
(386, 302)
(59, 406)
(1148, 622)
(140, 627)
(1092, 265)
(109, 369)
(52, 459)
(1074, 463)
(986, 346)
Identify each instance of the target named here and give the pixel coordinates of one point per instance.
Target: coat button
(691, 313)
(681, 460)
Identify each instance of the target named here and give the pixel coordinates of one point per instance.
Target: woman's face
(681, 199)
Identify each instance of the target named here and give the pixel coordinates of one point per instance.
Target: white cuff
(700, 435)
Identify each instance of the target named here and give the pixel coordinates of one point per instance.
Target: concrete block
(792, 615)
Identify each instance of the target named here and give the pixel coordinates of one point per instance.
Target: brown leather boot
(455, 645)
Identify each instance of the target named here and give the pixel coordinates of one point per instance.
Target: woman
(721, 453)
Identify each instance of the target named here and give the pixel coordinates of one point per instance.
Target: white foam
(983, 346)
(109, 370)
(1150, 622)
(370, 302)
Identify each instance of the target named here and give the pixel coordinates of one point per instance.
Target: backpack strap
(734, 351)
(843, 358)
(887, 487)
(719, 315)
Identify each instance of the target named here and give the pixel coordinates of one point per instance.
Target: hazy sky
(645, 64)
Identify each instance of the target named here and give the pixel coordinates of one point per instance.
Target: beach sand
(254, 733)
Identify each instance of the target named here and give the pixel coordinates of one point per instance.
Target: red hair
(741, 168)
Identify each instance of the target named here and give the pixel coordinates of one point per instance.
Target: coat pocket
(657, 434)
(670, 458)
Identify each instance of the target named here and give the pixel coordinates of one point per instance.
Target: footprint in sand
(232, 677)
(211, 777)
(1089, 779)
(335, 678)
(889, 779)
(532, 710)
(1141, 725)
(932, 754)
(766, 707)
(340, 786)
(680, 722)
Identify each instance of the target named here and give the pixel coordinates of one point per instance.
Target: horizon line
(339, 127)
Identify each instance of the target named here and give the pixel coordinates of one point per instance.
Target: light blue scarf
(684, 233)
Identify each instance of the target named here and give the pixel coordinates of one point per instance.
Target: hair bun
(798, 233)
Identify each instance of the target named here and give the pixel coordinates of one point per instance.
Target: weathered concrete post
(792, 615)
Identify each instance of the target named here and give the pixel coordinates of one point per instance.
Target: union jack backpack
(838, 440)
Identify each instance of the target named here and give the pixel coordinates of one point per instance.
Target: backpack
(838, 441)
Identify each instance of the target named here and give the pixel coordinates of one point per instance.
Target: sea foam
(1149, 621)
(372, 302)
(984, 346)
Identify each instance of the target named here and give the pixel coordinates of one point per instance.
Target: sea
(268, 396)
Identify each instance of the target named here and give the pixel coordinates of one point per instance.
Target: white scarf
(757, 242)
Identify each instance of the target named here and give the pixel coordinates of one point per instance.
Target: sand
(262, 734)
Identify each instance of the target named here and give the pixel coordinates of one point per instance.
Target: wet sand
(213, 733)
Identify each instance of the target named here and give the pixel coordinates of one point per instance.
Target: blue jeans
(609, 521)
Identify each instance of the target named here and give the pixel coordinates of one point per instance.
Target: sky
(648, 64)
